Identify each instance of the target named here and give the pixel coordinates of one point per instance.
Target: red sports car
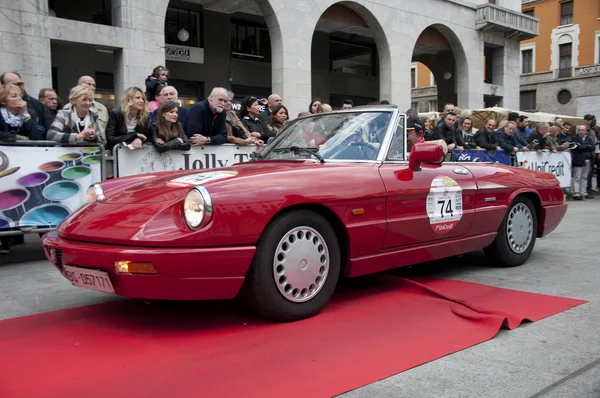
(335, 194)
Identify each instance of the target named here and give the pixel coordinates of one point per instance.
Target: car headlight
(197, 207)
(94, 194)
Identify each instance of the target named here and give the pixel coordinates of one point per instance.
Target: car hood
(172, 186)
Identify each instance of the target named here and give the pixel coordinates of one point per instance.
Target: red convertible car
(333, 195)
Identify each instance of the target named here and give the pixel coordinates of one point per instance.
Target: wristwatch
(207, 140)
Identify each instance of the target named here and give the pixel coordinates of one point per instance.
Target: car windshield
(341, 136)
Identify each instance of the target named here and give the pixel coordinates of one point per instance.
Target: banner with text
(41, 185)
(472, 155)
(558, 164)
(148, 160)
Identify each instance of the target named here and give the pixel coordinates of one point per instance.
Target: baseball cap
(589, 117)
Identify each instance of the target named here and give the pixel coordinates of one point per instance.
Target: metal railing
(490, 16)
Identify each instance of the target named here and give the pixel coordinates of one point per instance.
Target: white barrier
(558, 164)
(148, 160)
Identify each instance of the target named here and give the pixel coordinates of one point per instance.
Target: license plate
(88, 279)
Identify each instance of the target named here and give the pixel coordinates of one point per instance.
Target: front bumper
(183, 273)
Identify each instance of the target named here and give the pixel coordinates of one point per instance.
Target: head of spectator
(303, 114)
(554, 131)
(566, 127)
(448, 108)
(510, 127)
(326, 108)
(466, 124)
(490, 126)
(450, 119)
(88, 81)
(464, 113)
(347, 104)
(273, 100)
(587, 120)
(427, 123)
(167, 93)
(314, 105)
(384, 102)
(218, 99)
(81, 98)
(11, 101)
(49, 98)
(160, 73)
(582, 130)
(414, 132)
(13, 78)
(513, 116)
(279, 116)
(558, 122)
(134, 105)
(522, 122)
(542, 129)
(411, 112)
(249, 108)
(457, 111)
(166, 124)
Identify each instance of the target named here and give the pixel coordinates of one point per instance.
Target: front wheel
(296, 267)
(516, 237)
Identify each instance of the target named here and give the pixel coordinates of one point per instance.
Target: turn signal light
(130, 267)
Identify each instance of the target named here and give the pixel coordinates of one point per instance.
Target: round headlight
(197, 207)
(94, 193)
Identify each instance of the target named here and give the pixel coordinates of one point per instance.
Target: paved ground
(553, 358)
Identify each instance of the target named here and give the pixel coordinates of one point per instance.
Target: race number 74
(446, 208)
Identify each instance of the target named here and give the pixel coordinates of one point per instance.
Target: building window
(527, 63)
(414, 105)
(413, 77)
(529, 12)
(528, 100)
(250, 41)
(564, 97)
(566, 13)
(352, 58)
(597, 49)
(178, 19)
(433, 107)
(564, 61)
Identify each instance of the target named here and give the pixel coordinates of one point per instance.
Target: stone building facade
(52, 42)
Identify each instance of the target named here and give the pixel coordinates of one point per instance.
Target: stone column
(22, 50)
(146, 45)
(512, 73)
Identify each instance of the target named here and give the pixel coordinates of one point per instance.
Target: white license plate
(88, 279)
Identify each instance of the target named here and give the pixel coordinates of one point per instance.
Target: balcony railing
(513, 23)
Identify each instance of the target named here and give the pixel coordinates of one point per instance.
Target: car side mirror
(425, 152)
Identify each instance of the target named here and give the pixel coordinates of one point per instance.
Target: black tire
(501, 252)
(262, 290)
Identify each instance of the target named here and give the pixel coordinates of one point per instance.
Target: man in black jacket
(506, 138)
(205, 121)
(38, 112)
(446, 131)
(582, 156)
(486, 137)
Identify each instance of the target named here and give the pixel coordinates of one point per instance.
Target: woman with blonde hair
(78, 123)
(129, 124)
(166, 131)
(15, 121)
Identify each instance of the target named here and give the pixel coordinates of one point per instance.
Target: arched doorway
(349, 56)
(440, 51)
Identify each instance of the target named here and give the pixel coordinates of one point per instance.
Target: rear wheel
(296, 267)
(516, 237)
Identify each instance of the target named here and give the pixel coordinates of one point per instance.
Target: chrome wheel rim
(301, 264)
(519, 228)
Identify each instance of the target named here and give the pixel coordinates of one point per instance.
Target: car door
(433, 204)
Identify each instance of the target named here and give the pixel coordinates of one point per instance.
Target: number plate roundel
(444, 204)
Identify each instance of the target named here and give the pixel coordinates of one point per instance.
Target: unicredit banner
(558, 164)
(41, 185)
(148, 160)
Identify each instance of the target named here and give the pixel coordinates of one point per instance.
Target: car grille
(59, 262)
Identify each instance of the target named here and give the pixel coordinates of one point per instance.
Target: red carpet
(381, 326)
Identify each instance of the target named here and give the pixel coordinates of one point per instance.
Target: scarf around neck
(10, 119)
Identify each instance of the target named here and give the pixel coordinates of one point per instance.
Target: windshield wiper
(296, 150)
